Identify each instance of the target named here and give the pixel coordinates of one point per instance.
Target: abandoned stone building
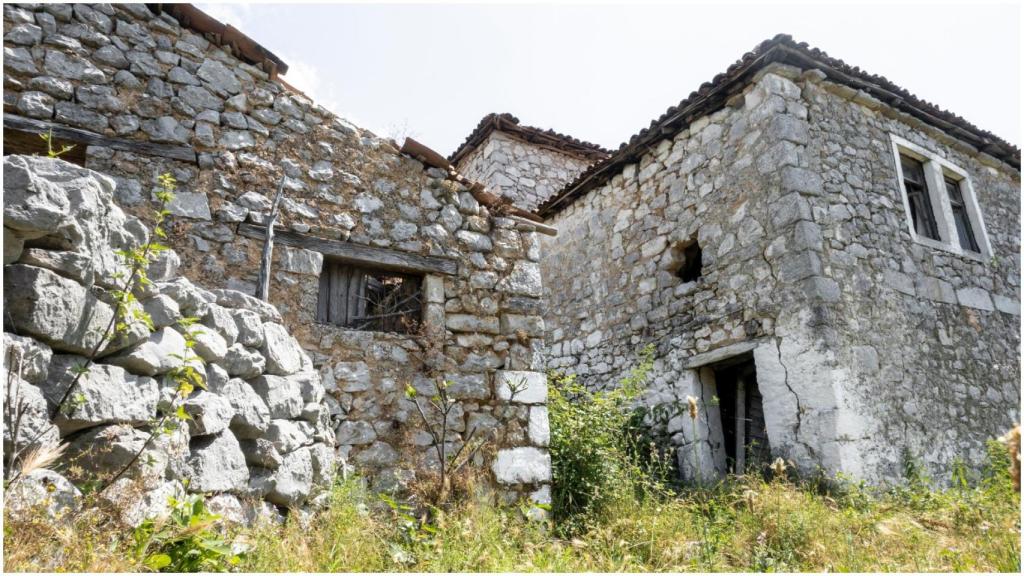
(829, 264)
(389, 274)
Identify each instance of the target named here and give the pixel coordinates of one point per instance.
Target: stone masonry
(133, 76)
(519, 170)
(869, 346)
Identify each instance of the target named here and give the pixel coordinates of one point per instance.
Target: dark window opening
(742, 415)
(963, 221)
(368, 299)
(917, 196)
(688, 258)
(30, 144)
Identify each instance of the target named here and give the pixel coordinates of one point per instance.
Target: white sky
(603, 72)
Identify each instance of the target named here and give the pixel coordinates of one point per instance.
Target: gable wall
(525, 173)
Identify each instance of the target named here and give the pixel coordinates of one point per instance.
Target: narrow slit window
(921, 212)
(367, 299)
(960, 216)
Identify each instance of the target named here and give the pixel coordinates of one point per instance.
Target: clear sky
(603, 72)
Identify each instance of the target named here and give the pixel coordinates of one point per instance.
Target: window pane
(963, 222)
(917, 196)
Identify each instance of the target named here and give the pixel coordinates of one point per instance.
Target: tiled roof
(510, 124)
(712, 96)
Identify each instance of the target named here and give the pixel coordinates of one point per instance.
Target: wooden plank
(324, 297)
(339, 295)
(64, 132)
(356, 254)
(741, 425)
(354, 295)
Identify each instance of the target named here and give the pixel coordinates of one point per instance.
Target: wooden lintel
(355, 253)
(64, 132)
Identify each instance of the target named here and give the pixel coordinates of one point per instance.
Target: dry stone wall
(792, 197)
(259, 434)
(481, 325)
(526, 173)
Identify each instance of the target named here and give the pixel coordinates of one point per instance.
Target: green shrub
(595, 440)
(186, 541)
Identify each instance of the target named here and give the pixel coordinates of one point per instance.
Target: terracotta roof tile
(508, 123)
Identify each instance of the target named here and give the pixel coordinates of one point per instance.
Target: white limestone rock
(289, 435)
(282, 351)
(26, 357)
(283, 396)
(522, 387)
(243, 362)
(210, 413)
(103, 395)
(293, 480)
(159, 354)
(43, 491)
(251, 415)
(522, 466)
(217, 464)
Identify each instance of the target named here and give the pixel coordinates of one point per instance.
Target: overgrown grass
(740, 525)
(613, 510)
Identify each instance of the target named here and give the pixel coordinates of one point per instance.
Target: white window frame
(936, 169)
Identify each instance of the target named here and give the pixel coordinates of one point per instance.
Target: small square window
(367, 299)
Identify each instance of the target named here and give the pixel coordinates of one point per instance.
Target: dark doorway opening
(742, 415)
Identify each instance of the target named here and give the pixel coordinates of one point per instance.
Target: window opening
(368, 299)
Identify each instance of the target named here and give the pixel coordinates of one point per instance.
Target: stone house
(829, 264)
(389, 273)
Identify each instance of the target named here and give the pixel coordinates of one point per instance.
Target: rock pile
(259, 435)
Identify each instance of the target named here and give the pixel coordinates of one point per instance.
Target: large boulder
(29, 424)
(100, 453)
(135, 502)
(26, 357)
(235, 299)
(283, 396)
(217, 464)
(251, 415)
(103, 395)
(41, 491)
(60, 312)
(62, 206)
(243, 362)
(282, 351)
(289, 435)
(293, 480)
(162, 352)
(36, 193)
(209, 413)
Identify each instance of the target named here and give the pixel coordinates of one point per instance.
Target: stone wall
(122, 71)
(800, 225)
(259, 430)
(526, 173)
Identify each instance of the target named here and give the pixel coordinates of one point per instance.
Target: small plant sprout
(779, 469)
(50, 151)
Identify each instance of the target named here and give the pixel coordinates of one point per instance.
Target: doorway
(741, 412)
